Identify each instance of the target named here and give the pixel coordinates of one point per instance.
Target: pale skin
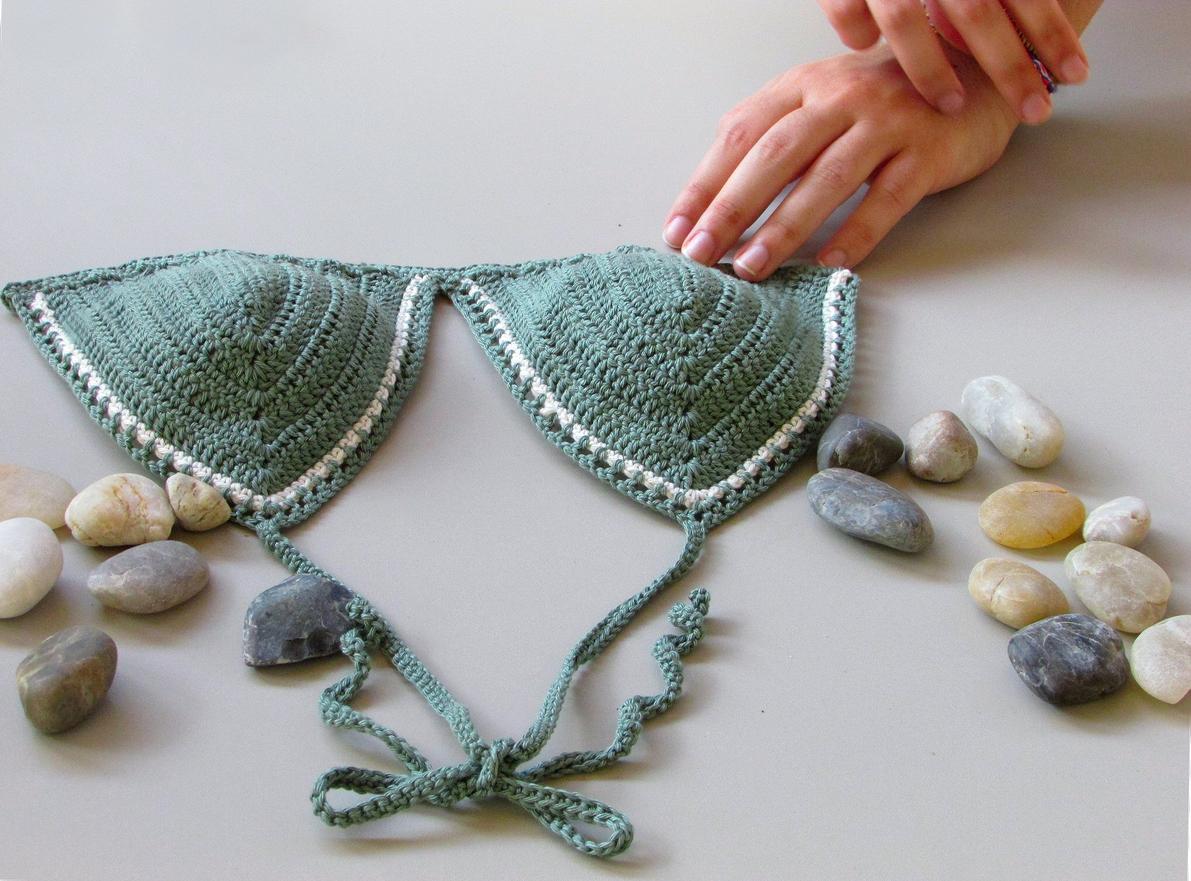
(880, 115)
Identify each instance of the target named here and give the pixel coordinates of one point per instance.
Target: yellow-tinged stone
(1030, 514)
(1014, 593)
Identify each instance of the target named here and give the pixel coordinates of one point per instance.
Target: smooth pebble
(940, 448)
(1024, 429)
(149, 578)
(1014, 593)
(867, 508)
(1124, 521)
(120, 509)
(863, 445)
(1030, 514)
(1069, 659)
(28, 492)
(197, 505)
(63, 680)
(1161, 659)
(1119, 585)
(302, 617)
(30, 563)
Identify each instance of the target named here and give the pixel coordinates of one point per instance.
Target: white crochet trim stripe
(532, 385)
(180, 461)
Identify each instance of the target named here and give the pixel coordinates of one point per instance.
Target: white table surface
(851, 713)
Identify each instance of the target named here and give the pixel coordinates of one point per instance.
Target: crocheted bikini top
(274, 378)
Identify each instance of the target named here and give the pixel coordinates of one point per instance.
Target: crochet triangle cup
(273, 378)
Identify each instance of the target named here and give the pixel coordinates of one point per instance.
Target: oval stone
(30, 563)
(120, 509)
(1030, 514)
(1124, 521)
(1069, 659)
(1119, 585)
(27, 492)
(860, 444)
(197, 505)
(302, 617)
(940, 448)
(1161, 659)
(1024, 429)
(64, 679)
(149, 578)
(1014, 593)
(867, 508)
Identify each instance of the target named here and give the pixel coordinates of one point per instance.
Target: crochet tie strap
(493, 767)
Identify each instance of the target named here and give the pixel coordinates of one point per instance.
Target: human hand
(834, 123)
(982, 28)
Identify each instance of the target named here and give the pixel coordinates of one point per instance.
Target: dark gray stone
(1069, 659)
(302, 617)
(852, 441)
(149, 578)
(866, 508)
(62, 680)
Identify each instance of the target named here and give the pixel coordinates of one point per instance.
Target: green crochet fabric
(273, 378)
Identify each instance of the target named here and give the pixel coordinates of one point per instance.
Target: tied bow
(492, 769)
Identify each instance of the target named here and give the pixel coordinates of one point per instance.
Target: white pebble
(30, 563)
(1120, 586)
(1123, 521)
(120, 509)
(27, 492)
(1018, 424)
(1161, 659)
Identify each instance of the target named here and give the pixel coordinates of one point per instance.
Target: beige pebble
(27, 492)
(1030, 514)
(198, 506)
(1014, 593)
(1120, 586)
(940, 448)
(1161, 659)
(120, 509)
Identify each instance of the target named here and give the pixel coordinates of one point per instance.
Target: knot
(492, 757)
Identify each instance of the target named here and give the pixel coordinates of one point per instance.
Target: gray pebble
(302, 617)
(852, 441)
(62, 680)
(866, 508)
(1069, 659)
(149, 578)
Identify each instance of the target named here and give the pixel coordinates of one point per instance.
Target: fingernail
(699, 246)
(834, 257)
(754, 259)
(1074, 70)
(1035, 109)
(951, 103)
(676, 230)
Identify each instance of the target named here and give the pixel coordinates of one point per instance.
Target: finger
(900, 185)
(781, 155)
(917, 49)
(828, 183)
(738, 130)
(1046, 26)
(852, 21)
(998, 49)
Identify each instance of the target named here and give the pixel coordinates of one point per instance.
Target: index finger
(737, 132)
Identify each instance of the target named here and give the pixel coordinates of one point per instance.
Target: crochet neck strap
(493, 767)
(273, 379)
